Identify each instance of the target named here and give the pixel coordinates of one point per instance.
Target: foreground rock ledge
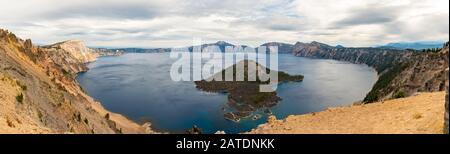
(419, 114)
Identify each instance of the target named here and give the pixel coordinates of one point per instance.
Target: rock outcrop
(39, 93)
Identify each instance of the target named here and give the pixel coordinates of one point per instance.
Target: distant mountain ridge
(285, 48)
(140, 50)
(412, 45)
(402, 71)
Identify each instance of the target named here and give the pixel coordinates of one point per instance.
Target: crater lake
(139, 86)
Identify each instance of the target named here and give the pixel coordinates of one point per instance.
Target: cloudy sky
(169, 23)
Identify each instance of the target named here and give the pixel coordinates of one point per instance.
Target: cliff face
(72, 55)
(401, 72)
(380, 59)
(39, 93)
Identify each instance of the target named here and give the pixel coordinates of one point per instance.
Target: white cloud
(142, 23)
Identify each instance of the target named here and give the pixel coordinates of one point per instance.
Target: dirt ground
(419, 114)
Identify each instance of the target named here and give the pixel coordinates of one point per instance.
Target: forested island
(244, 97)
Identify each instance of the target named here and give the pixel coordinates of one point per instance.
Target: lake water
(139, 86)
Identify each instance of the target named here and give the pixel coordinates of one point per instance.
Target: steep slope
(39, 93)
(401, 72)
(420, 114)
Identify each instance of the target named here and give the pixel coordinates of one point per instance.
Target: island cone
(244, 97)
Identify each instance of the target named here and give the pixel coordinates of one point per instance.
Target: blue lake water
(139, 87)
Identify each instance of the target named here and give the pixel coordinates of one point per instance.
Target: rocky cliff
(39, 93)
(401, 72)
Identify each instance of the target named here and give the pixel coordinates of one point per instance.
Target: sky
(176, 23)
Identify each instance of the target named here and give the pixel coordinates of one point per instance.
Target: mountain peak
(339, 46)
(318, 43)
(223, 43)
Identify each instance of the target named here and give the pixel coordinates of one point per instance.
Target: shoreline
(168, 132)
(125, 124)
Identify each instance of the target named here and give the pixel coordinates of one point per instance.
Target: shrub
(65, 72)
(259, 97)
(24, 87)
(10, 123)
(417, 116)
(107, 116)
(81, 88)
(399, 94)
(19, 98)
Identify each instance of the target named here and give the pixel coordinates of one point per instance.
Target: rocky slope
(39, 93)
(419, 114)
(401, 72)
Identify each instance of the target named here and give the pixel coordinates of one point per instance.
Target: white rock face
(71, 55)
(79, 50)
